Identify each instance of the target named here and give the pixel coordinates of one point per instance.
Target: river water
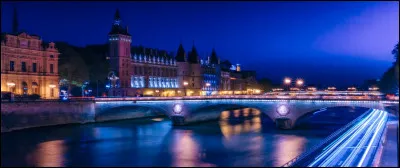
(242, 137)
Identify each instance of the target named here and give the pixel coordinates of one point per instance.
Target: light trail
(362, 142)
(345, 143)
(374, 138)
(359, 141)
(342, 138)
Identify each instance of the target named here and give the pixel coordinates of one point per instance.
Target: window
(51, 56)
(11, 65)
(34, 67)
(23, 66)
(51, 68)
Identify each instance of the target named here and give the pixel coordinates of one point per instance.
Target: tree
(72, 67)
(395, 52)
(389, 82)
(266, 84)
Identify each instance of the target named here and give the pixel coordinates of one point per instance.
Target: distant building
(147, 73)
(28, 66)
(189, 71)
(211, 74)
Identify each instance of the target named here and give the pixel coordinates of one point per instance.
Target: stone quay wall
(30, 114)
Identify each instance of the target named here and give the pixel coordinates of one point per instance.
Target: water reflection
(242, 137)
(49, 154)
(288, 147)
(249, 121)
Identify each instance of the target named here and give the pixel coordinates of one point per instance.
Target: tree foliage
(389, 82)
(71, 66)
(266, 84)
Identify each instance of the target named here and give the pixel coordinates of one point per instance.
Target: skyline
(358, 37)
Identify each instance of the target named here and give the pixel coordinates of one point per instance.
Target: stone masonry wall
(20, 115)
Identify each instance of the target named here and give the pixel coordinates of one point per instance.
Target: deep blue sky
(322, 42)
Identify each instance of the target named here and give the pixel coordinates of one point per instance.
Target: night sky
(327, 43)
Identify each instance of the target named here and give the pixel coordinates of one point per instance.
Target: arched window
(35, 88)
(24, 88)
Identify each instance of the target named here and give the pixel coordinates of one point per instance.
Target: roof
(117, 29)
(193, 56)
(152, 52)
(180, 54)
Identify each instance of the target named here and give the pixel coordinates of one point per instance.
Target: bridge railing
(326, 140)
(275, 97)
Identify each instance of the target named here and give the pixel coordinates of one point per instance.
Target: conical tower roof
(180, 54)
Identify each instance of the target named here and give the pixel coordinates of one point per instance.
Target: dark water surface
(240, 138)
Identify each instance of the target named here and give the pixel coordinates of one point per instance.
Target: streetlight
(287, 82)
(299, 82)
(184, 86)
(207, 87)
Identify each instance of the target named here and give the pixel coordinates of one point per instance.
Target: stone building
(189, 72)
(28, 66)
(147, 73)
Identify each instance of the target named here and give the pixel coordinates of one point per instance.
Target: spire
(180, 55)
(214, 58)
(15, 21)
(193, 56)
(117, 27)
(117, 16)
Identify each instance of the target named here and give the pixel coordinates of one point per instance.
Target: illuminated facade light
(10, 84)
(185, 83)
(52, 86)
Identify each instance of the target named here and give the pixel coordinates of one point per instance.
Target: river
(242, 137)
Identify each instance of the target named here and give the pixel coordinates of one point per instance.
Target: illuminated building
(211, 74)
(189, 72)
(149, 73)
(28, 66)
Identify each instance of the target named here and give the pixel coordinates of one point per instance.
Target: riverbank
(389, 156)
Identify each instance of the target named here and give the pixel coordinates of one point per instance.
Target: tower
(120, 53)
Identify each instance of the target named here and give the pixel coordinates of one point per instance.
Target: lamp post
(287, 82)
(299, 83)
(184, 86)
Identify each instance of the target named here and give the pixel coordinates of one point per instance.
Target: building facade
(139, 73)
(28, 66)
(211, 74)
(190, 72)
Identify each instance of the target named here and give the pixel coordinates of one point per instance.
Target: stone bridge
(185, 110)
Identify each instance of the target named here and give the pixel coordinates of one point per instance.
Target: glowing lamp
(208, 84)
(299, 82)
(52, 86)
(177, 108)
(287, 80)
(283, 110)
(185, 83)
(10, 84)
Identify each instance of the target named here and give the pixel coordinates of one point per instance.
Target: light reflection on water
(241, 138)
